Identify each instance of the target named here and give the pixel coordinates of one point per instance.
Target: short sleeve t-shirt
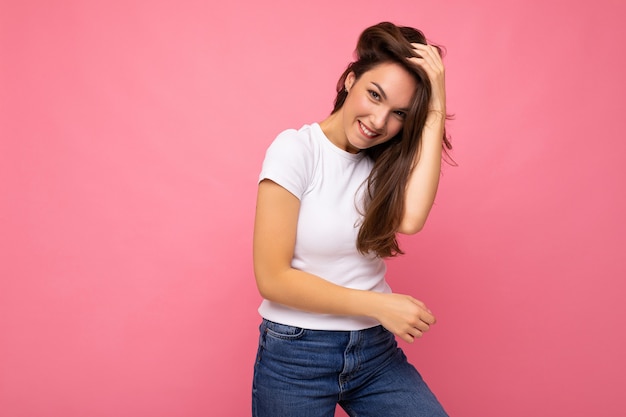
(329, 182)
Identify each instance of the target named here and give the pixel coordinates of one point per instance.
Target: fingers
(428, 57)
(411, 334)
(405, 316)
(421, 324)
(431, 62)
(424, 50)
(426, 315)
(409, 338)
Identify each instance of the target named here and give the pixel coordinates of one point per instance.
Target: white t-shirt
(329, 182)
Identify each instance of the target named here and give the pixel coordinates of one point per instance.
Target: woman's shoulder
(305, 134)
(304, 139)
(291, 160)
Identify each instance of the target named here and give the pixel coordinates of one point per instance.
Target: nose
(379, 119)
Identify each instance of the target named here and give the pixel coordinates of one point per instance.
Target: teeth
(367, 131)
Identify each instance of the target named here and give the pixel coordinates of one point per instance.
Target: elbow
(267, 283)
(265, 290)
(414, 220)
(267, 293)
(411, 226)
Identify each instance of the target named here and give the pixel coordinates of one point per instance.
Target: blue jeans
(306, 373)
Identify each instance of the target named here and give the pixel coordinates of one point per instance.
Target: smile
(367, 132)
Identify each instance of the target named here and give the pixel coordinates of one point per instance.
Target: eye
(400, 114)
(374, 94)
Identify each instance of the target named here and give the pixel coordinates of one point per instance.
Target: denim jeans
(306, 373)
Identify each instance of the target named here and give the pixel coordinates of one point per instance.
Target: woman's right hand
(403, 315)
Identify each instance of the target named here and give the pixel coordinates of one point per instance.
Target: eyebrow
(382, 93)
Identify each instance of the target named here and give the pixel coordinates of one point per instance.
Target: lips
(368, 133)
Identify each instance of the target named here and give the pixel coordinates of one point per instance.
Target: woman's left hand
(431, 62)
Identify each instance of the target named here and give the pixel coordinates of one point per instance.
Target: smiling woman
(332, 197)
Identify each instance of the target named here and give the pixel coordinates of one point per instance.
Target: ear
(350, 78)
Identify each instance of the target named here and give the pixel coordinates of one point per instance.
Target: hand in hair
(430, 61)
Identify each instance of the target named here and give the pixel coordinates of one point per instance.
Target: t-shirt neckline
(352, 156)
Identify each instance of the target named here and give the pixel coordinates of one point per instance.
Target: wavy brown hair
(394, 159)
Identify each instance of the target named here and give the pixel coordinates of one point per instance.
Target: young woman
(332, 197)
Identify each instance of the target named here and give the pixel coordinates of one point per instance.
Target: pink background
(132, 134)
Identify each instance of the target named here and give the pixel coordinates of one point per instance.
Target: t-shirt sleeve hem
(280, 181)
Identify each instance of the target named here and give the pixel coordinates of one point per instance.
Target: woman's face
(376, 105)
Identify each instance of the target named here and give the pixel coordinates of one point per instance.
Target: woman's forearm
(424, 178)
(308, 292)
(401, 314)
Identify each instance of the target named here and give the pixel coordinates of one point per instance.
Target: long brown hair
(394, 159)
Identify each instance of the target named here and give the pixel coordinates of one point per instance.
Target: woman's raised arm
(424, 178)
